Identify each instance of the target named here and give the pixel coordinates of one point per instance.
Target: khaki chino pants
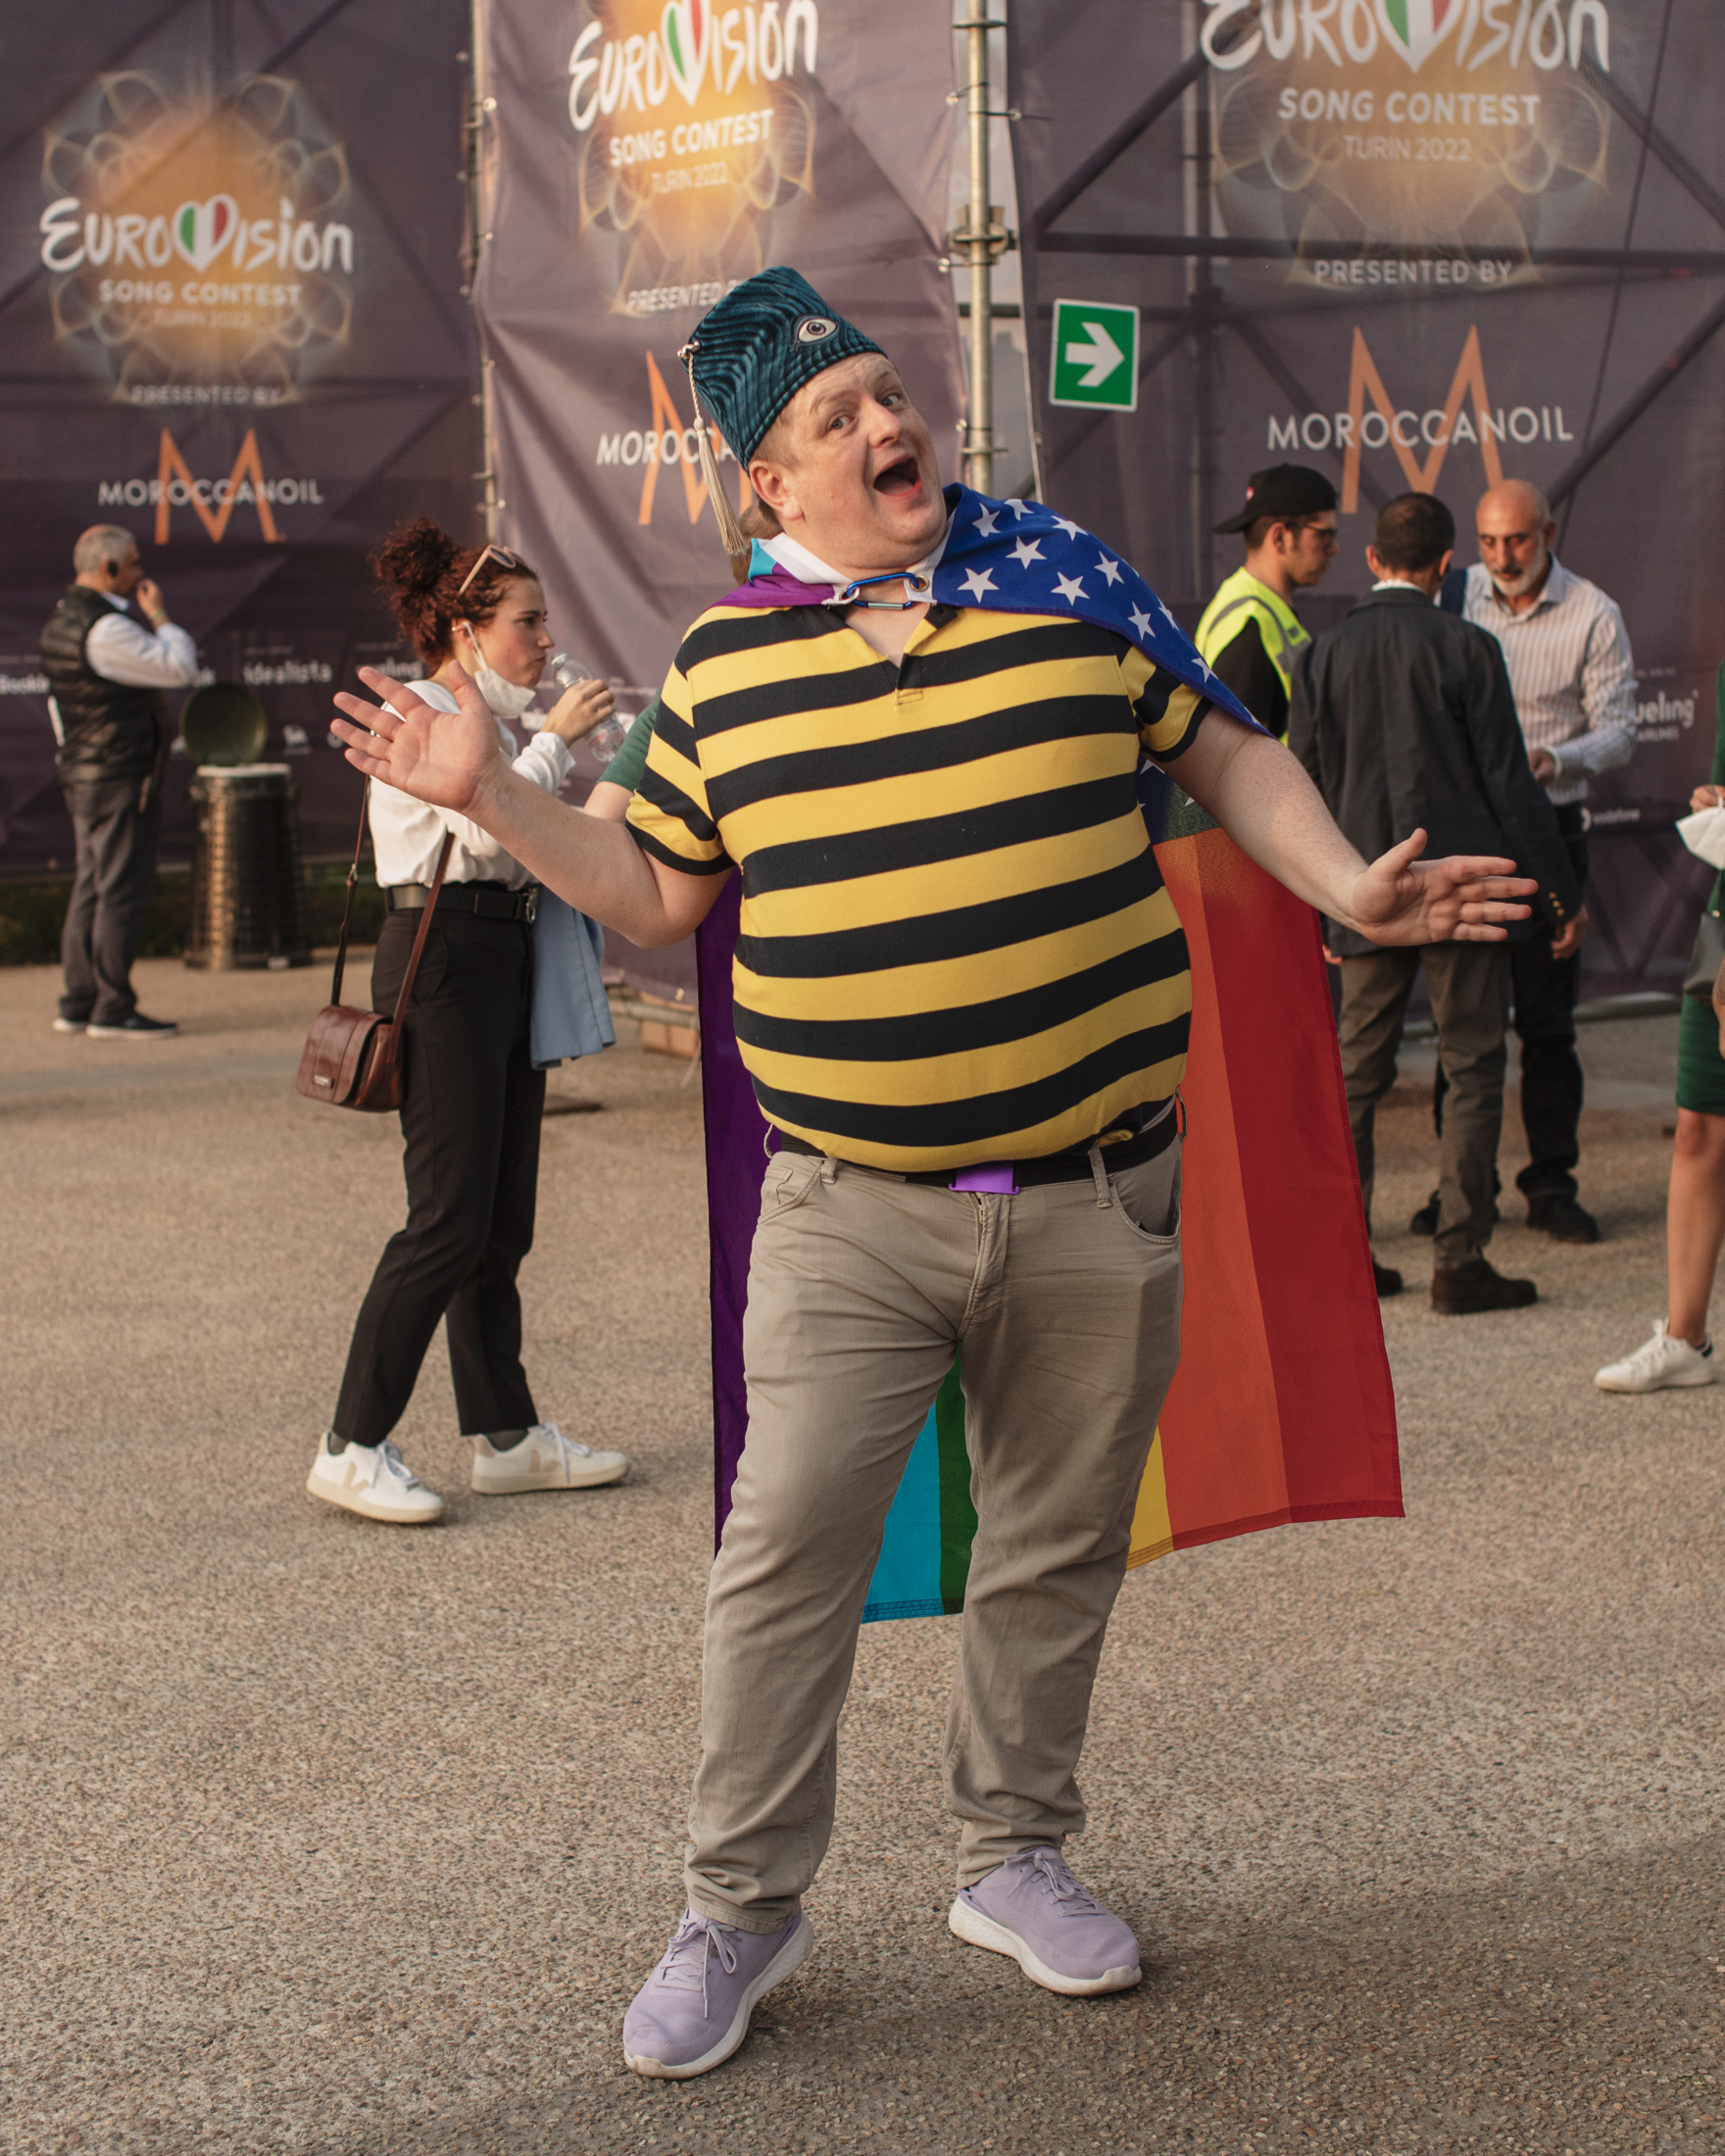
(1064, 1301)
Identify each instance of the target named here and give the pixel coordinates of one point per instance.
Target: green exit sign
(1095, 356)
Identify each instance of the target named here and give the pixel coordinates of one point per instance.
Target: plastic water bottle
(604, 740)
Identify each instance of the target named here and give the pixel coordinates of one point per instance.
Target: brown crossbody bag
(353, 1058)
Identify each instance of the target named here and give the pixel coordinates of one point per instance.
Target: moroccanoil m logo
(667, 441)
(214, 501)
(1406, 431)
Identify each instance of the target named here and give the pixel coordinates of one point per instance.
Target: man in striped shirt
(961, 991)
(1573, 680)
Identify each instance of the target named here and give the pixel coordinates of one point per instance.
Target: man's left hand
(1543, 764)
(1567, 942)
(1463, 898)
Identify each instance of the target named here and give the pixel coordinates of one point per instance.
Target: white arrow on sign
(1099, 358)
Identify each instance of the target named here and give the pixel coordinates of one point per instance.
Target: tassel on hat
(735, 540)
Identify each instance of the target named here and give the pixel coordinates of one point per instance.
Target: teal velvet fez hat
(755, 349)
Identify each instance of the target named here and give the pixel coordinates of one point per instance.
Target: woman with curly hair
(470, 1114)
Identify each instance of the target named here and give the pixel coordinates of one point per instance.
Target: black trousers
(116, 855)
(1546, 991)
(471, 1118)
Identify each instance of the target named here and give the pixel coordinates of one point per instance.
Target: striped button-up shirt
(1571, 671)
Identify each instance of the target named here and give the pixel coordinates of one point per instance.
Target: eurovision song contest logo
(691, 122)
(198, 252)
(1544, 34)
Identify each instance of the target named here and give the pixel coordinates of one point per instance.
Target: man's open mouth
(904, 477)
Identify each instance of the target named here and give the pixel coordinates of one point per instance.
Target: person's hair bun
(415, 556)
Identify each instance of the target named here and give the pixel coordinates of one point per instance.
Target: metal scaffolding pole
(481, 106)
(980, 245)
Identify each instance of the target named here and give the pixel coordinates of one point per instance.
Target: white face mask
(507, 699)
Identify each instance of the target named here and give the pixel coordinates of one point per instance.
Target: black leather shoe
(1562, 1219)
(135, 1028)
(1386, 1279)
(1461, 1291)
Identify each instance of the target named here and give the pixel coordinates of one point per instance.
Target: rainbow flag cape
(1282, 1408)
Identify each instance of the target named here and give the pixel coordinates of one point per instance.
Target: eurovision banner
(640, 159)
(233, 321)
(1417, 244)
(1282, 1408)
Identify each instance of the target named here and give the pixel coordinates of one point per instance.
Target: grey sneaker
(1056, 1932)
(693, 2011)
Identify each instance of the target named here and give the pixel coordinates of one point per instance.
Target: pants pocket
(788, 1181)
(1147, 1198)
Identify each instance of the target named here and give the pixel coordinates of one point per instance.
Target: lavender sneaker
(693, 2011)
(1060, 1935)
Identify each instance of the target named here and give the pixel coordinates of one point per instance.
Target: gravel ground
(324, 1837)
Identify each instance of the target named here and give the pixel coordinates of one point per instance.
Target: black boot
(1562, 1219)
(1459, 1290)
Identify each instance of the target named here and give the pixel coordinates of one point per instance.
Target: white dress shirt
(1571, 672)
(408, 834)
(123, 650)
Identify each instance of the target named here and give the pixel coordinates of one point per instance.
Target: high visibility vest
(1242, 599)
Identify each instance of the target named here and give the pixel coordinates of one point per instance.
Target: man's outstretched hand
(1465, 898)
(440, 756)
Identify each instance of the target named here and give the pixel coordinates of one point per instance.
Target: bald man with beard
(1573, 680)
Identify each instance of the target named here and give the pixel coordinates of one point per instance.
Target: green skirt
(1701, 1070)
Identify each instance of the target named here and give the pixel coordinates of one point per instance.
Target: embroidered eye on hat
(755, 349)
(1283, 490)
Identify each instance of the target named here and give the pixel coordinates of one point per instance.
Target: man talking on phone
(110, 651)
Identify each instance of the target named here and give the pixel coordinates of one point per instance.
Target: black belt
(492, 901)
(1051, 1167)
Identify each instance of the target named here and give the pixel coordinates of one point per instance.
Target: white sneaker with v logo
(544, 1460)
(374, 1481)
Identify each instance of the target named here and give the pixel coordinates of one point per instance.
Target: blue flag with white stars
(1015, 556)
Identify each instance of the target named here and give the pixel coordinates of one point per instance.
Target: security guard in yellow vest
(1249, 634)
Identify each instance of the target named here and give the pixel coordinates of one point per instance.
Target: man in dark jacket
(1404, 719)
(106, 676)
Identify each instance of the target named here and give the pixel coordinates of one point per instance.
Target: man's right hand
(1567, 942)
(151, 604)
(1706, 796)
(440, 756)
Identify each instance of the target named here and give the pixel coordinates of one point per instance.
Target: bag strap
(407, 979)
(352, 877)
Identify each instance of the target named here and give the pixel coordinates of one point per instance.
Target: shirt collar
(114, 600)
(1400, 583)
(810, 569)
(1556, 588)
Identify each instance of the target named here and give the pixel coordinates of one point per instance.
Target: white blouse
(407, 834)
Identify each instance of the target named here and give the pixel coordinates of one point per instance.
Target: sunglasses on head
(500, 555)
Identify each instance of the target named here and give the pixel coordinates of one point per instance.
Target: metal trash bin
(248, 887)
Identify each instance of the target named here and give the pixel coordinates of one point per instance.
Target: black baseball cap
(1283, 490)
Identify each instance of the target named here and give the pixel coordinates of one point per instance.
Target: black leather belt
(492, 901)
(1052, 1167)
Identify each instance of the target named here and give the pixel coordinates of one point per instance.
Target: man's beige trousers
(1063, 1302)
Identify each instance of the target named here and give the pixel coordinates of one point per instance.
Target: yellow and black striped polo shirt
(955, 944)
